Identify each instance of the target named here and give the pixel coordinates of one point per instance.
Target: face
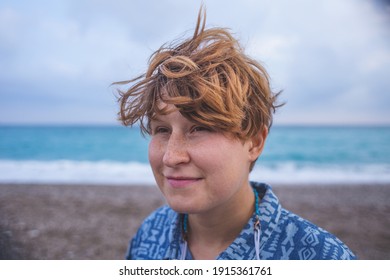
(197, 169)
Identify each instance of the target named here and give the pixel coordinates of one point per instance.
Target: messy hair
(209, 79)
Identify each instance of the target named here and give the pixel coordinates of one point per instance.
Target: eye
(160, 129)
(200, 129)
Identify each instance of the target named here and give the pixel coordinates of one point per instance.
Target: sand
(96, 222)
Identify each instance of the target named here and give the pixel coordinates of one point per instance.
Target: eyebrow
(155, 119)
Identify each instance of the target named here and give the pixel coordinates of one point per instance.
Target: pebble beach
(95, 222)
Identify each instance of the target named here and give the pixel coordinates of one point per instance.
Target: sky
(330, 58)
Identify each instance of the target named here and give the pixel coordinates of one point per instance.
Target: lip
(181, 182)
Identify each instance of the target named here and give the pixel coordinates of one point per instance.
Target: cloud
(331, 58)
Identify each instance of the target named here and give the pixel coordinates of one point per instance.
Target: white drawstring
(183, 249)
(257, 225)
(257, 241)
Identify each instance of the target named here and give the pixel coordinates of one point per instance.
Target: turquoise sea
(118, 155)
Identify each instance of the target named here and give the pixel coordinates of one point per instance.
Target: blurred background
(58, 110)
(58, 59)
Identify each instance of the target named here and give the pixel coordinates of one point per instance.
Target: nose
(176, 151)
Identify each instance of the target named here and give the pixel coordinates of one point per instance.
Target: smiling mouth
(181, 182)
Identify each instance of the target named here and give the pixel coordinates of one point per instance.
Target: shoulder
(305, 240)
(293, 237)
(152, 238)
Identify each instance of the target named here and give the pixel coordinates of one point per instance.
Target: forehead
(166, 112)
(162, 109)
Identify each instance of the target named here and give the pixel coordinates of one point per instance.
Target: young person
(208, 108)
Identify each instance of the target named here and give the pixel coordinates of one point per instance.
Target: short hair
(209, 79)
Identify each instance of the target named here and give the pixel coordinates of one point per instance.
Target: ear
(257, 143)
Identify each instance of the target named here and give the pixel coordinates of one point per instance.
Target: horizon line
(118, 124)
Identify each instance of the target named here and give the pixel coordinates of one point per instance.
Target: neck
(212, 232)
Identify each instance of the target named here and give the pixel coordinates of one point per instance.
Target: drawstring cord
(256, 226)
(183, 249)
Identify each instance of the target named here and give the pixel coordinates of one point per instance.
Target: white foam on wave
(110, 172)
(291, 173)
(66, 171)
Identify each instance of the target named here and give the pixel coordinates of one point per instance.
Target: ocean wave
(293, 173)
(67, 171)
(111, 172)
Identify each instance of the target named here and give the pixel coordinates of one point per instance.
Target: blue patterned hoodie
(283, 236)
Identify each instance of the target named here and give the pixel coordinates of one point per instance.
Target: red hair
(209, 79)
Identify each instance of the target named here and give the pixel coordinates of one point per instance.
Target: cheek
(154, 153)
(222, 157)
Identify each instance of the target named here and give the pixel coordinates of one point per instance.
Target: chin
(180, 207)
